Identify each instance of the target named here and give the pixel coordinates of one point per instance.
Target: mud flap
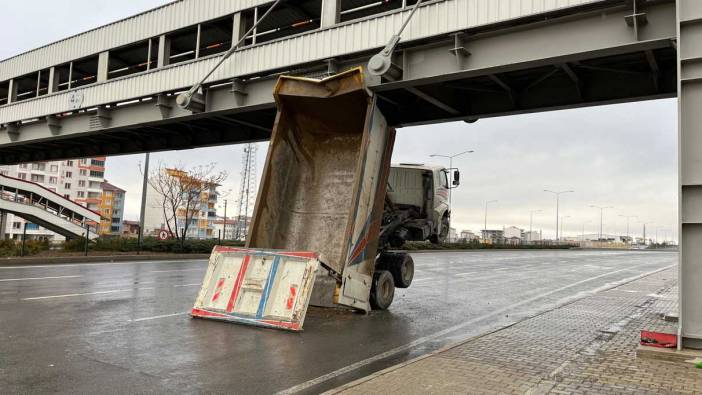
(266, 288)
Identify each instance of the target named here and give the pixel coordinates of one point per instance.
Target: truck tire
(402, 269)
(382, 291)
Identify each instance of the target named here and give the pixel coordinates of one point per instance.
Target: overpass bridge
(40, 206)
(112, 90)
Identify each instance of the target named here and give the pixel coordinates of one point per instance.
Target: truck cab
(417, 203)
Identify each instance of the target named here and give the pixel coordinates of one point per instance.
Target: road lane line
(436, 335)
(200, 269)
(186, 285)
(36, 278)
(465, 274)
(423, 279)
(103, 264)
(156, 317)
(85, 294)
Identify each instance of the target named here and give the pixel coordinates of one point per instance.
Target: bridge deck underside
(639, 75)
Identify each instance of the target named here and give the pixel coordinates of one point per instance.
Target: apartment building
(203, 218)
(78, 179)
(111, 209)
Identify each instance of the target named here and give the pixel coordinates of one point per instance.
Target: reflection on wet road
(86, 327)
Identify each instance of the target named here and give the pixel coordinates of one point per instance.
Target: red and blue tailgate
(267, 288)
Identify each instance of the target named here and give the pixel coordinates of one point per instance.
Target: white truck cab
(418, 199)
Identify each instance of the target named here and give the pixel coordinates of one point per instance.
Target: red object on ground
(657, 339)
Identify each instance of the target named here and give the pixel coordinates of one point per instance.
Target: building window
(81, 183)
(67, 186)
(37, 178)
(83, 172)
(4, 92)
(22, 176)
(69, 163)
(16, 225)
(133, 59)
(285, 20)
(355, 9)
(83, 161)
(54, 168)
(69, 174)
(95, 162)
(53, 180)
(97, 174)
(3, 172)
(67, 196)
(23, 166)
(39, 166)
(81, 194)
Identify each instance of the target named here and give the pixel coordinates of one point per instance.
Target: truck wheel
(402, 270)
(382, 291)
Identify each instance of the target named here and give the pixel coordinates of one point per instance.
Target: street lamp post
(563, 218)
(628, 217)
(602, 209)
(531, 221)
(582, 237)
(486, 211)
(558, 198)
(450, 158)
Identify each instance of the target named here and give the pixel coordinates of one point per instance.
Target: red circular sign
(163, 235)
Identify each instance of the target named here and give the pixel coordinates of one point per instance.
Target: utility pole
(602, 209)
(628, 217)
(451, 186)
(562, 222)
(486, 209)
(558, 197)
(144, 185)
(531, 221)
(225, 219)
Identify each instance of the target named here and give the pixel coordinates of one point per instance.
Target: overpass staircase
(41, 206)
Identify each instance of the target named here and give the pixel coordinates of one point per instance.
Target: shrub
(150, 244)
(14, 247)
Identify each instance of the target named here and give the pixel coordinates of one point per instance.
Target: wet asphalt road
(124, 328)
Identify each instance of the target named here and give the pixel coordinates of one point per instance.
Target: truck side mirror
(456, 178)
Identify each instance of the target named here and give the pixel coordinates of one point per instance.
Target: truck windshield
(444, 178)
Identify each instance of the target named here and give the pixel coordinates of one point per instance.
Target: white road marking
(102, 264)
(156, 317)
(425, 339)
(202, 269)
(85, 294)
(36, 278)
(423, 279)
(465, 274)
(186, 285)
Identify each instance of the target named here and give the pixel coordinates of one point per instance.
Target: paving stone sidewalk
(588, 346)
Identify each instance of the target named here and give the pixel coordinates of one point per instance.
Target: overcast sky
(620, 155)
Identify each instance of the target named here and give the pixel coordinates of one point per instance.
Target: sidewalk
(588, 346)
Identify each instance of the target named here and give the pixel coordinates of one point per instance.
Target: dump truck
(329, 210)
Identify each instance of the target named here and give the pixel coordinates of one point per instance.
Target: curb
(98, 259)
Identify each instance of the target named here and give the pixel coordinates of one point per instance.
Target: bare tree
(182, 192)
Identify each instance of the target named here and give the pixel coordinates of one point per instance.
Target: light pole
(582, 238)
(558, 198)
(142, 210)
(562, 222)
(450, 186)
(602, 209)
(486, 209)
(628, 217)
(531, 221)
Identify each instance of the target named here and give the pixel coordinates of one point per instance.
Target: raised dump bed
(322, 192)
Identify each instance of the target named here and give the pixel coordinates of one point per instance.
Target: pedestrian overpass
(38, 205)
(112, 90)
